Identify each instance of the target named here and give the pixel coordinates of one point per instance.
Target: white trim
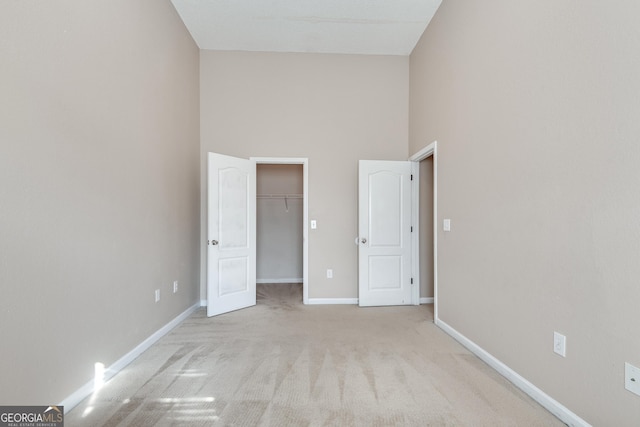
(415, 236)
(305, 211)
(424, 153)
(428, 300)
(274, 281)
(552, 405)
(203, 303)
(435, 229)
(323, 301)
(429, 150)
(86, 390)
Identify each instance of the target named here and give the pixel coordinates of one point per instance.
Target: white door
(231, 235)
(384, 255)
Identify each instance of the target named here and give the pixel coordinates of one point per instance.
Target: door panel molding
(385, 224)
(231, 233)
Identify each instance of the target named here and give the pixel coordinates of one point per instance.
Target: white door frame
(429, 150)
(305, 211)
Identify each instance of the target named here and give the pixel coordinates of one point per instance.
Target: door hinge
(411, 177)
(412, 228)
(412, 280)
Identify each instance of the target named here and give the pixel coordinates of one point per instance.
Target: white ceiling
(372, 27)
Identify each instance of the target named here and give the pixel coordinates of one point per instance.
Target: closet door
(231, 234)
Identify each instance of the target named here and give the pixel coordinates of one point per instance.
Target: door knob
(364, 240)
(214, 242)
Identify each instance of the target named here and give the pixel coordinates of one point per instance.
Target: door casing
(305, 211)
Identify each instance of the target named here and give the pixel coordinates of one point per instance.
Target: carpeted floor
(282, 363)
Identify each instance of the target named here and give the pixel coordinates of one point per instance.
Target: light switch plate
(314, 224)
(446, 225)
(632, 378)
(560, 344)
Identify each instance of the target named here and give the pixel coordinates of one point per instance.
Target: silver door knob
(364, 240)
(214, 242)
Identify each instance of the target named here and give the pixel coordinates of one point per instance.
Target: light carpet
(282, 363)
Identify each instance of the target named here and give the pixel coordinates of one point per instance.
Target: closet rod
(279, 196)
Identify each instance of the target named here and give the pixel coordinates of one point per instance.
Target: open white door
(384, 255)
(231, 238)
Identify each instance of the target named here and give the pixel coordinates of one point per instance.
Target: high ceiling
(372, 27)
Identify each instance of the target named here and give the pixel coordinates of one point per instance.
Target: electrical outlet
(632, 378)
(175, 286)
(560, 344)
(157, 295)
(329, 274)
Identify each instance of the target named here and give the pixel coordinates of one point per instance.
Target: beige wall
(332, 109)
(535, 106)
(99, 193)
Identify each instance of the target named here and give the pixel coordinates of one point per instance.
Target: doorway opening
(426, 216)
(425, 235)
(279, 231)
(282, 226)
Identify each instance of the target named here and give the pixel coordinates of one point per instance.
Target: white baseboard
(428, 300)
(85, 391)
(321, 301)
(203, 303)
(552, 405)
(297, 280)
